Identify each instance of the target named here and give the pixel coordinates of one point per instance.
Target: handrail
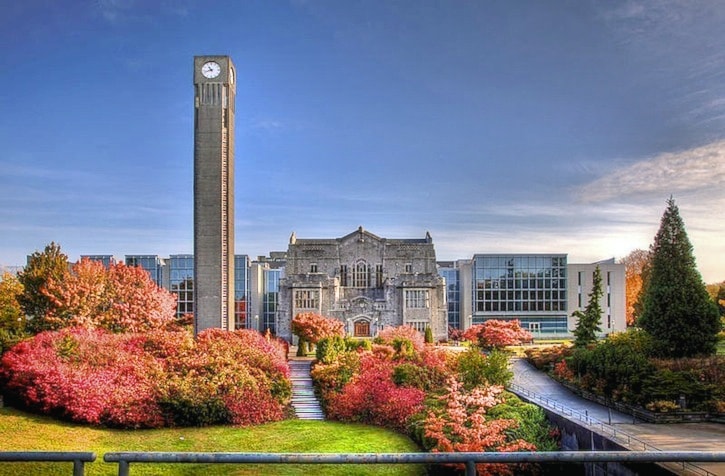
(124, 459)
(604, 428)
(78, 458)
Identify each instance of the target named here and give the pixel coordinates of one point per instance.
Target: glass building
(181, 282)
(531, 288)
(241, 293)
(152, 264)
(270, 298)
(449, 271)
(106, 260)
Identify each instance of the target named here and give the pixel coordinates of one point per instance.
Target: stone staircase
(304, 401)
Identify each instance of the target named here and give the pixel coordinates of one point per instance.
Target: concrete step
(304, 401)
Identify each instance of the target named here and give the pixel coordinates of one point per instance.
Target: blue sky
(559, 126)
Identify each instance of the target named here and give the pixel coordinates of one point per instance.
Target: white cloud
(701, 169)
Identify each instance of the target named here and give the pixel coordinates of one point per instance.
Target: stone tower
(214, 97)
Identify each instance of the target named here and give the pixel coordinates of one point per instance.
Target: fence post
(123, 468)
(78, 467)
(471, 468)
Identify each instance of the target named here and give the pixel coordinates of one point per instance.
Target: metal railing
(77, 458)
(603, 428)
(125, 459)
(469, 460)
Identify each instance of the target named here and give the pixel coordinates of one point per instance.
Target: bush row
(161, 378)
(622, 368)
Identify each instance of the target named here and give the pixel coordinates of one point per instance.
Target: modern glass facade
(531, 288)
(181, 270)
(106, 260)
(150, 263)
(241, 293)
(453, 295)
(271, 299)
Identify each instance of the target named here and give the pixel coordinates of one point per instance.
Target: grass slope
(21, 431)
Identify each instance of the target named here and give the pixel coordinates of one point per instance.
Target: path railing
(125, 459)
(77, 458)
(603, 428)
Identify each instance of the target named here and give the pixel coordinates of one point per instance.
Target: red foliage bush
(495, 334)
(150, 380)
(372, 397)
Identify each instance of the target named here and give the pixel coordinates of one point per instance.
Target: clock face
(231, 75)
(211, 69)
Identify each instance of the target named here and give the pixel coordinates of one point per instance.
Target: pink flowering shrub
(149, 380)
(496, 334)
(462, 425)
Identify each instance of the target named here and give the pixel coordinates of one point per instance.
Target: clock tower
(214, 97)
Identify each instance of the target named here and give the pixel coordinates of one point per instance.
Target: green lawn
(22, 431)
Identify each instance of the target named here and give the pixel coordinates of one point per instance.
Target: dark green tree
(43, 266)
(587, 324)
(428, 336)
(676, 308)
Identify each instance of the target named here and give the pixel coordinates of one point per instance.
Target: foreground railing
(124, 459)
(77, 458)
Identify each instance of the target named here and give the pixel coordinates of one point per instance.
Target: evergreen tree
(676, 308)
(43, 266)
(587, 324)
(428, 335)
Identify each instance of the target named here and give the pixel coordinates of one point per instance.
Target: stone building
(365, 281)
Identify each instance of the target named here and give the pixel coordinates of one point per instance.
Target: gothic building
(365, 281)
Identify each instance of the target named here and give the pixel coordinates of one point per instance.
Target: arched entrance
(361, 328)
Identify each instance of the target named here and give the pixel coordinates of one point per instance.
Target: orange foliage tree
(634, 265)
(119, 298)
(312, 327)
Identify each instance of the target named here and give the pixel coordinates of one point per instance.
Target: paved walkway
(304, 400)
(635, 435)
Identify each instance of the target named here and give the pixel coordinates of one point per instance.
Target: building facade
(540, 290)
(365, 281)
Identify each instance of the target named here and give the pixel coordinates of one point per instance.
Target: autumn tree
(497, 334)
(312, 328)
(635, 264)
(676, 308)
(119, 298)
(43, 266)
(12, 318)
(587, 324)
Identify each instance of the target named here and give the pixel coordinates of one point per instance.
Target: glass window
(417, 299)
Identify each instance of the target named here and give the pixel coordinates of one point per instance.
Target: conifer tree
(676, 308)
(587, 324)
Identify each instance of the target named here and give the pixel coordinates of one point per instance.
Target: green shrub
(357, 344)
(475, 368)
(616, 367)
(329, 349)
(533, 426)
(403, 348)
(411, 375)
